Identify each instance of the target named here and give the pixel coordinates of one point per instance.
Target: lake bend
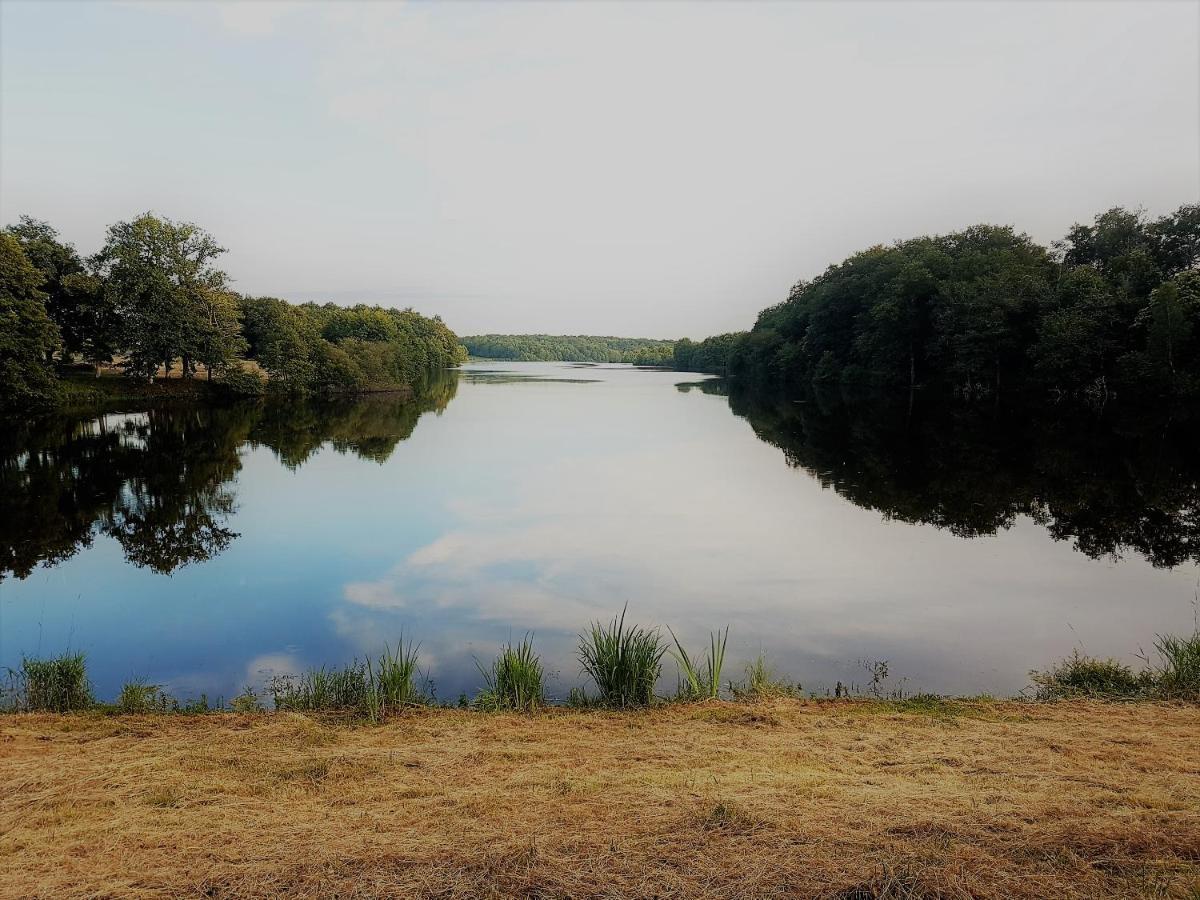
(205, 549)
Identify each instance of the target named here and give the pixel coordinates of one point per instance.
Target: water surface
(208, 548)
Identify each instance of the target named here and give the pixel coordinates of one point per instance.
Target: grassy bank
(839, 799)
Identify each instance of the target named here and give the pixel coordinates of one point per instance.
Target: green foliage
(986, 308)
(172, 300)
(709, 355)
(74, 299)
(570, 348)
(58, 684)
(330, 350)
(243, 383)
(514, 681)
(700, 680)
(27, 336)
(624, 662)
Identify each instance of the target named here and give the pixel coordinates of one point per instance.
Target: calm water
(210, 548)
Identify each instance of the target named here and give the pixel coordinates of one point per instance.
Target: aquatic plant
(624, 662)
(514, 681)
(700, 681)
(58, 684)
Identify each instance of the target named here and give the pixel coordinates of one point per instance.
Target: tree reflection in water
(160, 482)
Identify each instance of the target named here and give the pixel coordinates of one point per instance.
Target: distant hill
(570, 348)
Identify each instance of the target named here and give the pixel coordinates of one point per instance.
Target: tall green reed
(624, 662)
(700, 680)
(514, 681)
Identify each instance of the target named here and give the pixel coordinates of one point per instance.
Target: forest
(570, 348)
(1113, 306)
(154, 299)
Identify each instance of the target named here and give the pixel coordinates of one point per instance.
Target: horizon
(655, 171)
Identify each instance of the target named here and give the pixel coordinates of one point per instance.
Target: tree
(172, 300)
(27, 336)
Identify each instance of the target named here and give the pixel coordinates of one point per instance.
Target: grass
(624, 662)
(514, 681)
(59, 684)
(781, 797)
(138, 697)
(1174, 676)
(1086, 676)
(762, 682)
(393, 680)
(323, 690)
(1178, 673)
(701, 681)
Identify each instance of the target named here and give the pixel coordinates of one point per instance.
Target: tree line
(1115, 304)
(153, 297)
(570, 348)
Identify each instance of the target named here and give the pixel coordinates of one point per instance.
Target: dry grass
(775, 798)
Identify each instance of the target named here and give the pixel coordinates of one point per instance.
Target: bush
(242, 383)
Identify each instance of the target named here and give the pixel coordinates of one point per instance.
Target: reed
(1177, 675)
(138, 697)
(323, 689)
(624, 662)
(393, 679)
(58, 684)
(514, 681)
(700, 680)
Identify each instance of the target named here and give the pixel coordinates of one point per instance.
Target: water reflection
(307, 535)
(1110, 483)
(161, 482)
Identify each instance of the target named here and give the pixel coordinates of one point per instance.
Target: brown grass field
(777, 798)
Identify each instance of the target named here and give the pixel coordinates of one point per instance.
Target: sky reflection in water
(536, 497)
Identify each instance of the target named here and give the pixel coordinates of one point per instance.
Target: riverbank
(795, 797)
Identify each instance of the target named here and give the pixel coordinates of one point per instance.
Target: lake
(206, 549)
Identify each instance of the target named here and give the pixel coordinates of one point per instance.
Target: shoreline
(809, 798)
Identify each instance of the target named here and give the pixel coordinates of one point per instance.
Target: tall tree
(27, 336)
(173, 301)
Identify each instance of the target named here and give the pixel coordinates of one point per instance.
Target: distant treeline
(153, 297)
(1115, 304)
(570, 348)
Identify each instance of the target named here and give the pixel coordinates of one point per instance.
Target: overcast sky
(656, 170)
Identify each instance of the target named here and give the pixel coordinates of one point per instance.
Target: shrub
(242, 383)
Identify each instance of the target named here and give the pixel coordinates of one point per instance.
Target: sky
(657, 170)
